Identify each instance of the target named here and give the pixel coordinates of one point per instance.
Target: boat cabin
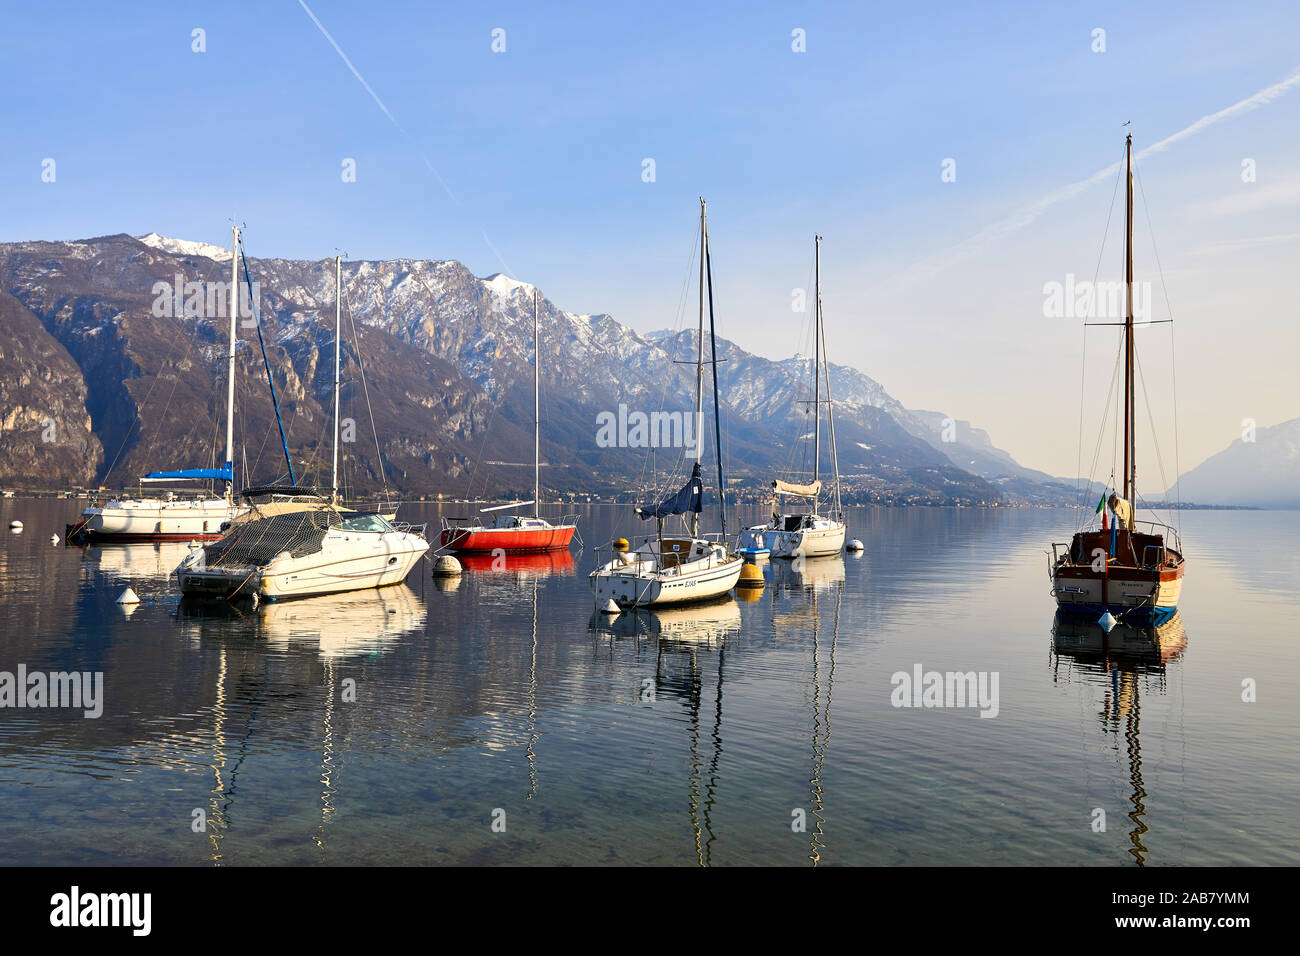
(1133, 549)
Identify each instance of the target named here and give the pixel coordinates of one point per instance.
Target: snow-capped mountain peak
(502, 285)
(185, 247)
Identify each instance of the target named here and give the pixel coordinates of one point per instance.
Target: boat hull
(166, 521)
(634, 585)
(381, 563)
(519, 540)
(1132, 594)
(806, 542)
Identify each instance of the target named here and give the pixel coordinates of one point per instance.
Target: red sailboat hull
(487, 540)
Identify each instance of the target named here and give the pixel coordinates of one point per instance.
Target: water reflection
(335, 629)
(1116, 661)
(682, 637)
(821, 724)
(811, 574)
(152, 561)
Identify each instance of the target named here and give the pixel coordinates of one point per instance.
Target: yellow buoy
(750, 577)
(621, 544)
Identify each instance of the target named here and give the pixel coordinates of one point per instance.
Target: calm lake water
(685, 737)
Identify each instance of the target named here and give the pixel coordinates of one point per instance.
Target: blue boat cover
(690, 498)
(224, 473)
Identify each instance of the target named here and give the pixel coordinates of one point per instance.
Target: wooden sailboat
(656, 569)
(1130, 574)
(514, 533)
(805, 533)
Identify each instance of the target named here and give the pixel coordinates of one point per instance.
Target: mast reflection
(1118, 660)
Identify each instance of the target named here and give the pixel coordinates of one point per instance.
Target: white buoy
(54, 539)
(15, 525)
(854, 545)
(446, 566)
(1107, 622)
(611, 607)
(128, 597)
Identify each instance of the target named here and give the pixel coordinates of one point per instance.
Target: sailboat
(656, 569)
(513, 533)
(805, 533)
(299, 546)
(268, 500)
(169, 517)
(1124, 572)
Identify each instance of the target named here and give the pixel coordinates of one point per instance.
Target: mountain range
(106, 374)
(1260, 469)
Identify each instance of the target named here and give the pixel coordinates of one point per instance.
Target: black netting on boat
(257, 542)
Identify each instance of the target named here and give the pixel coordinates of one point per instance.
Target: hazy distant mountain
(447, 359)
(1264, 473)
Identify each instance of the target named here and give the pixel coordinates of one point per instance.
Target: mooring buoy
(446, 566)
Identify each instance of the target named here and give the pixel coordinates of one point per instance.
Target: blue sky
(541, 150)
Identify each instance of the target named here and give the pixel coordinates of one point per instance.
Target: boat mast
(230, 393)
(537, 416)
(699, 358)
(338, 332)
(717, 405)
(1130, 423)
(830, 407)
(817, 341)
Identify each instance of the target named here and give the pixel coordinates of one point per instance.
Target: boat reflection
(695, 624)
(690, 643)
(821, 716)
(810, 574)
(349, 624)
(539, 564)
(1117, 661)
(138, 561)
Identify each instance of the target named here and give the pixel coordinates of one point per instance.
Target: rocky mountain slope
(133, 377)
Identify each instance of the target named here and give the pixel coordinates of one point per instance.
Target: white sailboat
(805, 533)
(268, 500)
(656, 569)
(171, 517)
(297, 546)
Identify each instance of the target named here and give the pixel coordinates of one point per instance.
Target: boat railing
(1169, 532)
(1159, 561)
(407, 527)
(458, 522)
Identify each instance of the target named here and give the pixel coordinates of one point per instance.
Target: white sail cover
(802, 491)
(1123, 512)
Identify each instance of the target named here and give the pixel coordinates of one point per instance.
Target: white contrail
(380, 104)
(932, 265)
